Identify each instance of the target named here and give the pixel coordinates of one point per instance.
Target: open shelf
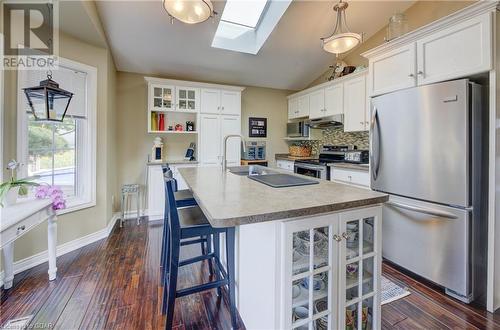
(352, 252)
(174, 132)
(351, 282)
(303, 297)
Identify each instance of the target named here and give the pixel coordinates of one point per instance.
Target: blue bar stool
(189, 223)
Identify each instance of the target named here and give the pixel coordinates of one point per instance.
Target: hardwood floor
(113, 284)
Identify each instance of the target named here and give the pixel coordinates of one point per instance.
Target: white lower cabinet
(213, 129)
(361, 178)
(334, 282)
(285, 164)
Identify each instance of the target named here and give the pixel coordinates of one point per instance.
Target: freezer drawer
(430, 240)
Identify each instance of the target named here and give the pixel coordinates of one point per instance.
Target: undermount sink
(249, 170)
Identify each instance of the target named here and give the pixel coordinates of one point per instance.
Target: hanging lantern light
(189, 11)
(47, 101)
(342, 39)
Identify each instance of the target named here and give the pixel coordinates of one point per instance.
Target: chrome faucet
(224, 154)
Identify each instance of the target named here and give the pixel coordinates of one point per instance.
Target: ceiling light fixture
(189, 11)
(342, 39)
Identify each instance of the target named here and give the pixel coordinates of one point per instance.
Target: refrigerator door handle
(441, 214)
(375, 165)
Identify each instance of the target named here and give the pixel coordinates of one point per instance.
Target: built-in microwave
(297, 129)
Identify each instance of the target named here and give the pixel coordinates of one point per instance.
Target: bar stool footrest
(200, 288)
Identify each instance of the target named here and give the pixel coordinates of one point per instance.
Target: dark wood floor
(113, 283)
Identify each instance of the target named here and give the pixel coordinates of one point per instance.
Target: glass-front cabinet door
(360, 267)
(162, 97)
(187, 99)
(310, 268)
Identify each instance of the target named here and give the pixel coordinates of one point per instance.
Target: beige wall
(418, 15)
(80, 223)
(134, 143)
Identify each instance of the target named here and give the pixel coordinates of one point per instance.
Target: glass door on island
(187, 98)
(163, 98)
(359, 259)
(311, 277)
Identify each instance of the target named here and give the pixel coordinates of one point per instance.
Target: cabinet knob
(411, 75)
(337, 238)
(349, 177)
(420, 72)
(361, 122)
(222, 107)
(345, 235)
(21, 228)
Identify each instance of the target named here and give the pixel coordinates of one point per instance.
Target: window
(62, 154)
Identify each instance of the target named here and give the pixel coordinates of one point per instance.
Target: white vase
(11, 196)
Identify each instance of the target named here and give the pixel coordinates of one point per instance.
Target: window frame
(86, 140)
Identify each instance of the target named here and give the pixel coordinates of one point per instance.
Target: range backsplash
(337, 136)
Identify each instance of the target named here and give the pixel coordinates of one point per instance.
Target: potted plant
(12, 188)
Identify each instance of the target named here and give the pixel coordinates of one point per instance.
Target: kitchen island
(275, 261)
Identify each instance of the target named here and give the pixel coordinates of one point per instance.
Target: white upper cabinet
(210, 140)
(458, 51)
(220, 102)
(317, 104)
(293, 108)
(393, 70)
(334, 100)
(162, 97)
(187, 99)
(303, 106)
(355, 105)
(230, 103)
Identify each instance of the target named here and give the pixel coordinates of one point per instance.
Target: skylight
(245, 13)
(246, 24)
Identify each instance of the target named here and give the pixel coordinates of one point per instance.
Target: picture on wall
(257, 127)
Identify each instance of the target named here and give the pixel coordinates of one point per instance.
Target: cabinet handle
(345, 235)
(349, 177)
(337, 238)
(411, 75)
(223, 108)
(21, 228)
(218, 108)
(362, 122)
(420, 72)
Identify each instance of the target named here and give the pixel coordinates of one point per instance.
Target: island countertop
(229, 200)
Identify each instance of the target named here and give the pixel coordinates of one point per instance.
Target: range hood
(327, 122)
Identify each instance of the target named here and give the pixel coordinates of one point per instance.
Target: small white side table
(18, 219)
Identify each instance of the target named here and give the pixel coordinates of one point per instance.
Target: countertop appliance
(255, 150)
(318, 167)
(282, 180)
(426, 152)
(297, 129)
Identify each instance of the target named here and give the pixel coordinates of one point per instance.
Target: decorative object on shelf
(161, 122)
(299, 150)
(189, 11)
(350, 317)
(190, 151)
(170, 128)
(157, 150)
(257, 127)
(9, 190)
(189, 126)
(342, 39)
(352, 270)
(179, 128)
(398, 25)
(359, 68)
(47, 101)
(337, 70)
(54, 193)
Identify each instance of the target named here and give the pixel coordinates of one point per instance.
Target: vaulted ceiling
(142, 40)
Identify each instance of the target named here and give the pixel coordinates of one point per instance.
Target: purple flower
(54, 193)
(41, 191)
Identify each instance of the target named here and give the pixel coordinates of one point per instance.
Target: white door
(461, 50)
(210, 101)
(393, 70)
(293, 108)
(210, 140)
(231, 125)
(303, 110)
(187, 99)
(355, 104)
(334, 100)
(161, 97)
(230, 103)
(317, 104)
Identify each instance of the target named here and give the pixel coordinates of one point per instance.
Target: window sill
(76, 204)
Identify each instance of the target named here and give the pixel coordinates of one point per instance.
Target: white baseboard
(40, 258)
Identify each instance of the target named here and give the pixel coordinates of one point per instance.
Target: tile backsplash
(337, 136)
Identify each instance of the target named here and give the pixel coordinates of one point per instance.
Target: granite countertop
(288, 157)
(229, 200)
(174, 162)
(351, 166)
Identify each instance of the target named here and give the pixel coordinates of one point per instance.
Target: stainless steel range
(318, 168)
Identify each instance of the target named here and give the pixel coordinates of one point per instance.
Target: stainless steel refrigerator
(426, 151)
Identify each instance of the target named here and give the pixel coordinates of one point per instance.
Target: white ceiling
(142, 40)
